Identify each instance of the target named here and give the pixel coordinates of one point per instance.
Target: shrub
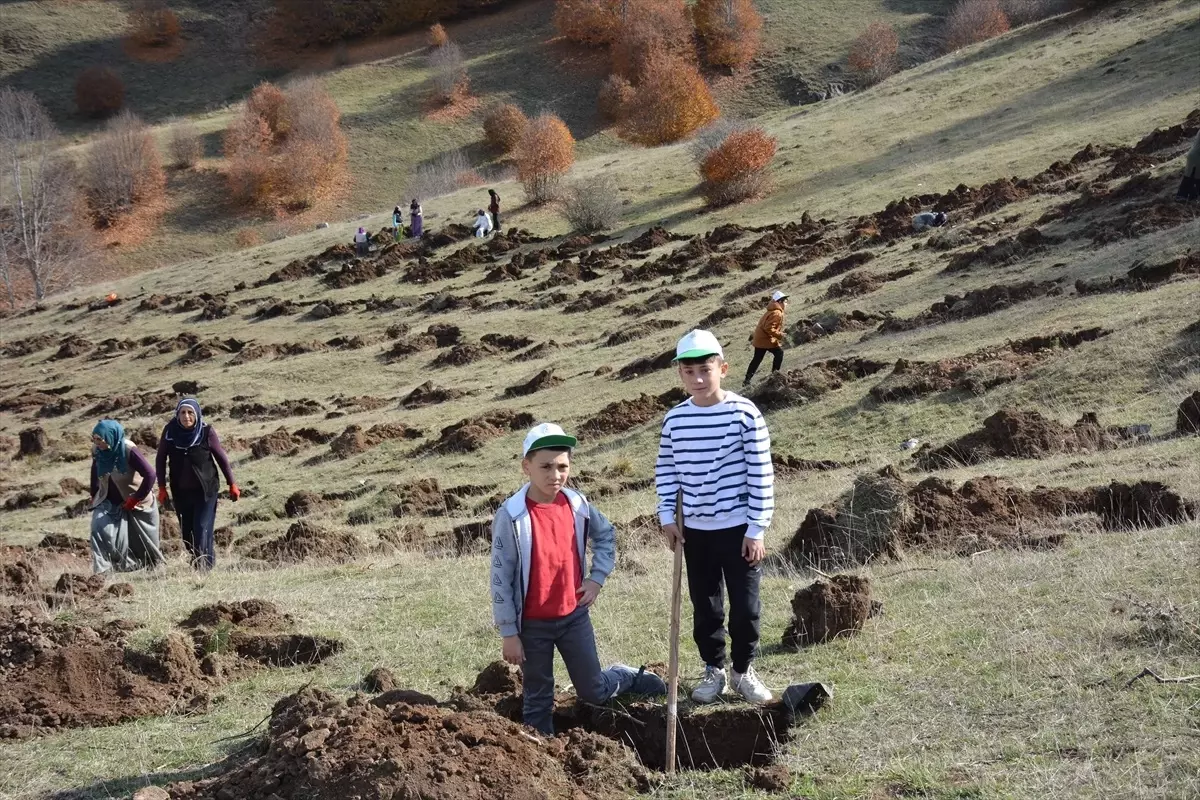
(449, 73)
(314, 157)
(99, 92)
(184, 144)
(711, 136)
(973, 21)
(593, 22)
(248, 237)
(873, 54)
(731, 31)
(295, 171)
(268, 102)
(446, 173)
(438, 36)
(736, 169)
(616, 98)
(592, 204)
(651, 28)
(546, 152)
(152, 24)
(1020, 12)
(672, 101)
(503, 127)
(122, 169)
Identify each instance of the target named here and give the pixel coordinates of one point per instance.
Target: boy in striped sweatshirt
(715, 447)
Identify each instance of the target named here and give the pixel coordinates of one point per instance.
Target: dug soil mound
(472, 433)
(305, 541)
(1011, 433)
(979, 371)
(56, 675)
(625, 415)
(857, 284)
(812, 328)
(1008, 250)
(252, 613)
(798, 386)
(975, 303)
(319, 748)
(645, 365)
(282, 442)
(355, 440)
(1142, 277)
(882, 516)
(827, 610)
(719, 737)
(1187, 416)
(427, 394)
(545, 379)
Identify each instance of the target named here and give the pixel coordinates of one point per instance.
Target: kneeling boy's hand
(587, 593)
(753, 551)
(672, 534)
(513, 651)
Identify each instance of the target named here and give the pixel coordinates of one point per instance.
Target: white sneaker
(712, 686)
(749, 686)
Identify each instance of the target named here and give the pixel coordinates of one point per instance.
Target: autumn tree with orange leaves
(730, 30)
(545, 154)
(672, 101)
(736, 169)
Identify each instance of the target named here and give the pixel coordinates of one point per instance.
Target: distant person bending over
(927, 220)
(398, 223)
(768, 336)
(494, 209)
(362, 242)
(124, 515)
(416, 216)
(1189, 188)
(483, 224)
(541, 588)
(190, 452)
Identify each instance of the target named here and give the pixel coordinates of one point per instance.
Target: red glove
(130, 503)
(162, 495)
(234, 492)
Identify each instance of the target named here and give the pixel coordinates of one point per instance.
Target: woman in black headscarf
(190, 453)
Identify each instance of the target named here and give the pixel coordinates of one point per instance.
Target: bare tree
(123, 168)
(449, 72)
(39, 200)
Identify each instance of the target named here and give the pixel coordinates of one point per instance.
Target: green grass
(998, 676)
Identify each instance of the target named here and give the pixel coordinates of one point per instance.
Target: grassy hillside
(998, 674)
(381, 86)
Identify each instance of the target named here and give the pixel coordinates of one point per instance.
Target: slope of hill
(1071, 289)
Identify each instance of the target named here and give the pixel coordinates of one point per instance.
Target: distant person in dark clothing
(927, 220)
(190, 453)
(494, 210)
(124, 515)
(416, 216)
(1189, 188)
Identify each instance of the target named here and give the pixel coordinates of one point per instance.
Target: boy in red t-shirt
(540, 595)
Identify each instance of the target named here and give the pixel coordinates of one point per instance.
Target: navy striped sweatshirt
(721, 456)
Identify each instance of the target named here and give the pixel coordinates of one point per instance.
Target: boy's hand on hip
(753, 551)
(672, 534)
(587, 592)
(513, 651)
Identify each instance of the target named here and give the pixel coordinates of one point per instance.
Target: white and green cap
(698, 344)
(546, 435)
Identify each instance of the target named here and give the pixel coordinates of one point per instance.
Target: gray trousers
(576, 642)
(124, 541)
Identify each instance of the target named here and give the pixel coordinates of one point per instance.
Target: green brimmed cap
(698, 344)
(546, 435)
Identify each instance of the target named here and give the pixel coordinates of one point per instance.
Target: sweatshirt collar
(515, 505)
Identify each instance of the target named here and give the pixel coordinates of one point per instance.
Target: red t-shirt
(554, 572)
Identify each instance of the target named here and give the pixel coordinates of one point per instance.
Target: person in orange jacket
(768, 336)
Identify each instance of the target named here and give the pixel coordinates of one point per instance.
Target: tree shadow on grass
(216, 67)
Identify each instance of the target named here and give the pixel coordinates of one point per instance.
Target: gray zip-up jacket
(512, 546)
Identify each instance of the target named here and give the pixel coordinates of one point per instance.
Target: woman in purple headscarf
(189, 452)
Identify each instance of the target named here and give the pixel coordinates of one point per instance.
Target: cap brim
(697, 353)
(552, 441)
